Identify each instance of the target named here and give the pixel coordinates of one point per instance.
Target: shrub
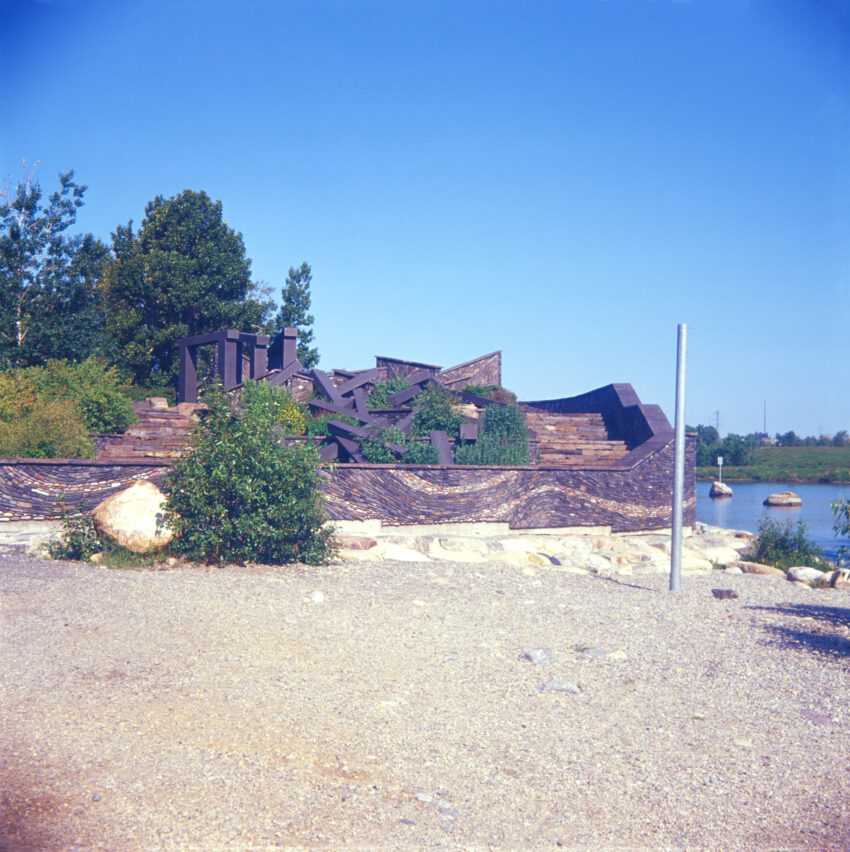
(486, 391)
(376, 451)
(276, 405)
(238, 495)
(784, 546)
(46, 429)
(93, 389)
(79, 538)
(378, 397)
(436, 412)
(841, 514)
(492, 392)
(420, 452)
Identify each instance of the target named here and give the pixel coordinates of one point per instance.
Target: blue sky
(564, 180)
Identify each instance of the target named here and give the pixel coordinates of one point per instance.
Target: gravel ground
(389, 705)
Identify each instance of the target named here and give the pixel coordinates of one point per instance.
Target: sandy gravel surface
(193, 709)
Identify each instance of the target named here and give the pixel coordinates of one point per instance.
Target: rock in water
(783, 498)
(720, 489)
(134, 518)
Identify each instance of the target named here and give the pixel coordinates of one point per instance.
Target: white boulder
(134, 518)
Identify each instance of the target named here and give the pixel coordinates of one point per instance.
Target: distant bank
(788, 464)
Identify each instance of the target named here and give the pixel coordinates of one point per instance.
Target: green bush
(786, 545)
(503, 439)
(79, 538)
(276, 405)
(436, 413)
(420, 452)
(378, 397)
(94, 389)
(46, 429)
(841, 514)
(376, 451)
(238, 495)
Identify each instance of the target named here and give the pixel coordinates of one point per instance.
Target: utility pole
(678, 463)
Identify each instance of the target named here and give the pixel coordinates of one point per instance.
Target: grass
(788, 464)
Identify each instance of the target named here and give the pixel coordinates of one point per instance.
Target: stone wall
(626, 497)
(40, 489)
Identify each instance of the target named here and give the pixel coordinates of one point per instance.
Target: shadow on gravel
(824, 633)
(621, 583)
(26, 813)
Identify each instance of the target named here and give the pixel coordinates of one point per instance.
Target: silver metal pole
(679, 462)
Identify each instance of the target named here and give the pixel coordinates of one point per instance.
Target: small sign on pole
(720, 468)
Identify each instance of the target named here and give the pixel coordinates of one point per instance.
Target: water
(744, 510)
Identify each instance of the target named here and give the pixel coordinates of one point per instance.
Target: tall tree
(49, 303)
(184, 273)
(295, 312)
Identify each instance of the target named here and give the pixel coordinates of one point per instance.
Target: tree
(841, 439)
(295, 313)
(184, 273)
(49, 303)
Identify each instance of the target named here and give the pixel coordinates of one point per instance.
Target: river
(744, 509)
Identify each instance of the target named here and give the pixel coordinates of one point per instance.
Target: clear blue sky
(565, 180)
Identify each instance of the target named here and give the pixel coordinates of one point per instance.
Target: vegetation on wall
(503, 439)
(436, 412)
(382, 390)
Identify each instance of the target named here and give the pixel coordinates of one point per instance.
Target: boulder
(758, 568)
(805, 574)
(355, 542)
(134, 518)
(840, 578)
(720, 489)
(783, 498)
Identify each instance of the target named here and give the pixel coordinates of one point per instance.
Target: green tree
(841, 439)
(49, 303)
(295, 312)
(184, 273)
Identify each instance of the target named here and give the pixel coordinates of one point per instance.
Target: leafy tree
(49, 304)
(238, 495)
(789, 439)
(841, 439)
(295, 312)
(184, 273)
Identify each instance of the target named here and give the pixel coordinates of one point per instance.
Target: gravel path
(389, 705)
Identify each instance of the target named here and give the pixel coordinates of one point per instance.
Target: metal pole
(678, 462)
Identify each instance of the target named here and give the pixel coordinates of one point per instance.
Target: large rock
(759, 568)
(783, 498)
(805, 574)
(134, 518)
(720, 489)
